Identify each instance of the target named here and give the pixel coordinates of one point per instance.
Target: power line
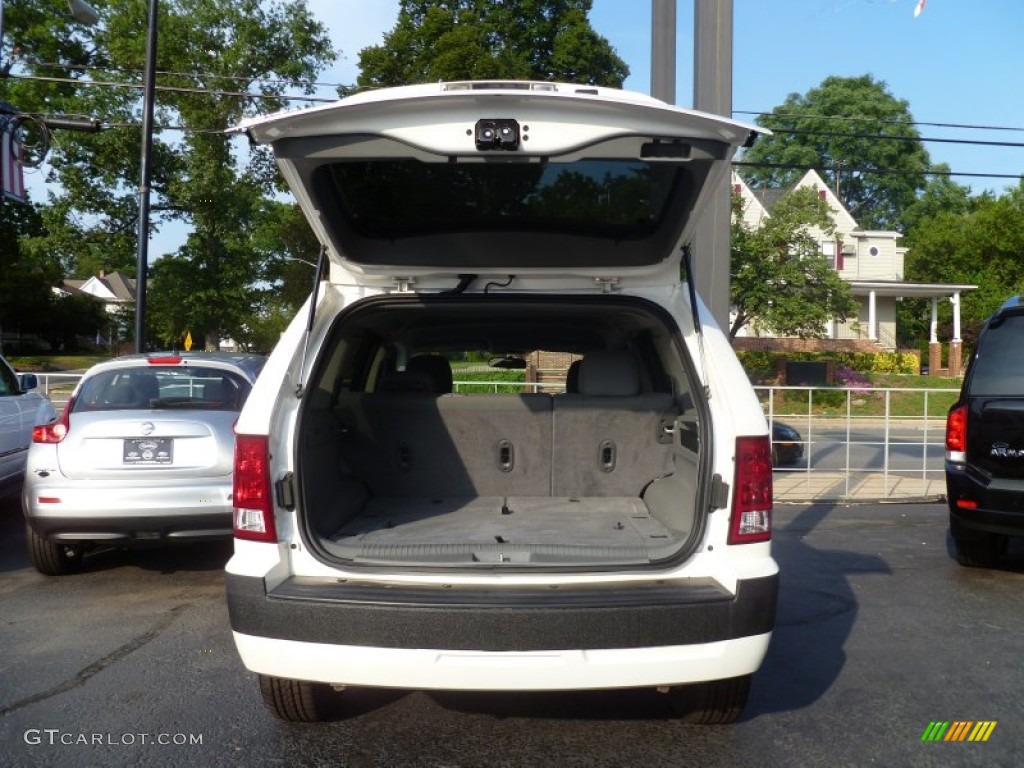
(193, 75)
(316, 84)
(889, 137)
(889, 171)
(793, 131)
(851, 118)
(170, 88)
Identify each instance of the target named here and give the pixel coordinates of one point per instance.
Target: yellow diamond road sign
(188, 341)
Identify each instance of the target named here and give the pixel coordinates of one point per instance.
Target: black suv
(985, 443)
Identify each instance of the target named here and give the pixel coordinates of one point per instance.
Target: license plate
(149, 450)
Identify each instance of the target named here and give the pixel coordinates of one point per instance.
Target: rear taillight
(956, 435)
(751, 519)
(254, 507)
(56, 431)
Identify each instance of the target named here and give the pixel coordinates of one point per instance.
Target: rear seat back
(610, 439)
(415, 444)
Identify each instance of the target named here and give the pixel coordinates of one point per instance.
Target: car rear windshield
(998, 369)
(621, 199)
(185, 387)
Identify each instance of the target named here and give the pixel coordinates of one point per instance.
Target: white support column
(955, 301)
(934, 338)
(872, 318)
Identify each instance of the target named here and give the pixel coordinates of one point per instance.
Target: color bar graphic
(959, 730)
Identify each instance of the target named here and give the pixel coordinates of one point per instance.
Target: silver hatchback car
(142, 453)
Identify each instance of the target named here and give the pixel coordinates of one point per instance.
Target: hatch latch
(607, 284)
(404, 284)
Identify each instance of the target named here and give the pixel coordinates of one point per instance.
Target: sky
(958, 62)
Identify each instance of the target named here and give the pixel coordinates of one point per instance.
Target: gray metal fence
(857, 444)
(862, 443)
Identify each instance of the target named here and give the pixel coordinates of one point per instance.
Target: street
(879, 633)
(831, 445)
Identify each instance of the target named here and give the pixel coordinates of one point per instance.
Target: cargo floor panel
(513, 529)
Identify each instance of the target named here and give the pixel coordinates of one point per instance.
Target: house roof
(112, 287)
(769, 197)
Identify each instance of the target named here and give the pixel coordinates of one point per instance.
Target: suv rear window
(998, 369)
(622, 199)
(189, 387)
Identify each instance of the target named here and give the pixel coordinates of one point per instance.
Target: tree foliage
(479, 39)
(860, 139)
(780, 282)
(979, 244)
(24, 282)
(209, 52)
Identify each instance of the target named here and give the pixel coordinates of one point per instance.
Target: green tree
(780, 281)
(286, 244)
(70, 320)
(480, 39)
(983, 246)
(25, 294)
(857, 135)
(942, 198)
(941, 195)
(209, 52)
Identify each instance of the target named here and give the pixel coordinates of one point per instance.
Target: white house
(871, 261)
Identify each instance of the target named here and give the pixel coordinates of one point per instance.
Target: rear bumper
(560, 670)
(1000, 504)
(128, 514)
(517, 639)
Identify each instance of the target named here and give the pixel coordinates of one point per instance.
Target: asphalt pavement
(879, 635)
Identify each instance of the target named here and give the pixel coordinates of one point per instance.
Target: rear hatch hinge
(607, 284)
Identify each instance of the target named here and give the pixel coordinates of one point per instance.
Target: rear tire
(982, 551)
(715, 702)
(53, 558)
(297, 701)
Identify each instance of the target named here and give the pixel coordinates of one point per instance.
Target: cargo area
(601, 468)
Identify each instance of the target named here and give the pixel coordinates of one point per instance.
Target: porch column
(955, 344)
(872, 319)
(955, 301)
(934, 346)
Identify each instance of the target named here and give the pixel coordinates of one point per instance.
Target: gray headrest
(609, 373)
(436, 368)
(572, 378)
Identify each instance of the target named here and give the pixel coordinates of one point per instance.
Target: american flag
(12, 177)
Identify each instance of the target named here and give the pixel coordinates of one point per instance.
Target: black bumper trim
(131, 529)
(502, 620)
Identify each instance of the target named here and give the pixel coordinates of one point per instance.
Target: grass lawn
(909, 396)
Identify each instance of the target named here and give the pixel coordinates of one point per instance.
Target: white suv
(393, 530)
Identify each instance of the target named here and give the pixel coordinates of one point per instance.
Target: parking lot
(879, 633)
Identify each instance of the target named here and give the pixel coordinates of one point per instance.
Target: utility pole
(712, 92)
(663, 50)
(142, 253)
